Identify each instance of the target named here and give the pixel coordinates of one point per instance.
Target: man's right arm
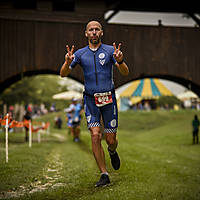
(65, 69)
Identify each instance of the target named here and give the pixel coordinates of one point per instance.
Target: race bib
(102, 99)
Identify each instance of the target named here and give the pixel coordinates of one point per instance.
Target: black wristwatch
(120, 62)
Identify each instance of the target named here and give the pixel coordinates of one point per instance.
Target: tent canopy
(187, 95)
(67, 95)
(148, 88)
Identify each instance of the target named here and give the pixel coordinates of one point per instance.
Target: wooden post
(4, 109)
(30, 134)
(39, 136)
(7, 137)
(48, 130)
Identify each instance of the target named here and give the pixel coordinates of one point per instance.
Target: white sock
(106, 173)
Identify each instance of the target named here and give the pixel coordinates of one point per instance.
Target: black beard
(95, 41)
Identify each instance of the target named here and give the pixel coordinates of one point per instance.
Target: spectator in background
(43, 109)
(77, 120)
(26, 119)
(11, 110)
(69, 115)
(30, 108)
(58, 122)
(53, 107)
(195, 124)
(74, 119)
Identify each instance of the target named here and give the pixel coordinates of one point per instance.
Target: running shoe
(104, 180)
(114, 159)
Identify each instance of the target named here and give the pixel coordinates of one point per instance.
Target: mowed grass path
(157, 155)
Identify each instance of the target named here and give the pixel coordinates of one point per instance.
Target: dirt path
(50, 178)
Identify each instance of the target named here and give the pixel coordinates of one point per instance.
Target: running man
(74, 119)
(69, 120)
(97, 60)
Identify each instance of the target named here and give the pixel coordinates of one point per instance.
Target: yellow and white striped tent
(148, 88)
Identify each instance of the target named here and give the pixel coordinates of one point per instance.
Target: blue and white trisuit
(99, 94)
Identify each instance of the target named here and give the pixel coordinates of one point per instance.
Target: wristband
(120, 62)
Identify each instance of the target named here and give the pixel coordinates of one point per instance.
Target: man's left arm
(121, 65)
(123, 68)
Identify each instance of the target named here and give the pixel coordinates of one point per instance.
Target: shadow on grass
(84, 147)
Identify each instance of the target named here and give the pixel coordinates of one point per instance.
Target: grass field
(156, 151)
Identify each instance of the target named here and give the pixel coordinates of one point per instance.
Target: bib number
(102, 99)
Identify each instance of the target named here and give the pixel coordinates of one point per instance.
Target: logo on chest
(102, 58)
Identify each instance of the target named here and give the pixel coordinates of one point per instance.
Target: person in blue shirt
(97, 61)
(69, 121)
(69, 115)
(74, 119)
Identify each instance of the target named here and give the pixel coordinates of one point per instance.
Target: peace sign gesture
(118, 55)
(69, 57)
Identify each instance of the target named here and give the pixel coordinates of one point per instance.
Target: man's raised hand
(69, 55)
(118, 55)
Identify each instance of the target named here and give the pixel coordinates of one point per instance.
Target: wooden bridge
(32, 41)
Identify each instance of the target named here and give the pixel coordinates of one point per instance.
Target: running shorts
(108, 112)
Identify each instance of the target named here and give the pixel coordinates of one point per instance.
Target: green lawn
(156, 151)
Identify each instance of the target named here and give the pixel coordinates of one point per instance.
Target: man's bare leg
(97, 148)
(111, 140)
(112, 145)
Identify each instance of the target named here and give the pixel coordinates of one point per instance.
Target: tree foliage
(168, 101)
(35, 89)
